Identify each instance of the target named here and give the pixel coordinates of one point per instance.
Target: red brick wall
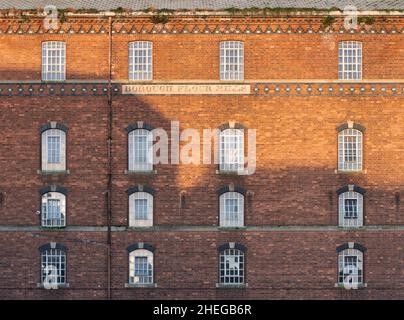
(294, 184)
(191, 57)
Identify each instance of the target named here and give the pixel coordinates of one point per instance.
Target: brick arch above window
(139, 125)
(351, 246)
(231, 188)
(141, 245)
(231, 125)
(232, 245)
(351, 188)
(53, 188)
(141, 188)
(352, 125)
(49, 246)
(53, 125)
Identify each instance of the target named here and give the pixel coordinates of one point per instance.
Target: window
(53, 61)
(350, 60)
(231, 209)
(140, 150)
(53, 209)
(140, 209)
(350, 150)
(232, 150)
(350, 267)
(141, 267)
(231, 60)
(53, 150)
(350, 209)
(140, 60)
(53, 265)
(231, 269)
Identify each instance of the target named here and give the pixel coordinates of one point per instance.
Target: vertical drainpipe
(109, 143)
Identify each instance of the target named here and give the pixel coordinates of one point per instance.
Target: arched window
(350, 150)
(231, 209)
(140, 206)
(53, 264)
(350, 206)
(53, 61)
(350, 60)
(231, 264)
(140, 60)
(53, 147)
(231, 60)
(141, 264)
(140, 150)
(53, 212)
(231, 150)
(350, 265)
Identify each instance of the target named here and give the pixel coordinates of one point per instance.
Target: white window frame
(53, 222)
(57, 166)
(133, 278)
(346, 221)
(53, 266)
(135, 148)
(231, 60)
(350, 145)
(231, 267)
(231, 150)
(53, 61)
(350, 60)
(350, 275)
(133, 222)
(226, 211)
(140, 60)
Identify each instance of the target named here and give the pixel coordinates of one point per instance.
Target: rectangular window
(141, 208)
(350, 150)
(351, 209)
(232, 150)
(53, 267)
(350, 144)
(350, 60)
(52, 212)
(351, 270)
(231, 60)
(140, 150)
(232, 267)
(232, 209)
(142, 270)
(140, 60)
(53, 61)
(53, 149)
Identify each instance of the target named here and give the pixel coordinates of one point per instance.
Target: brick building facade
(291, 240)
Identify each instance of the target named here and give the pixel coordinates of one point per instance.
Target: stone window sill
(338, 171)
(139, 285)
(232, 286)
(139, 172)
(232, 228)
(139, 228)
(59, 286)
(52, 228)
(359, 286)
(231, 173)
(53, 172)
(359, 228)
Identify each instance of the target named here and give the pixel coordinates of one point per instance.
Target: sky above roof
(201, 4)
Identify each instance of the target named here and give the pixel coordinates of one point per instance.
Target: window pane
(140, 60)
